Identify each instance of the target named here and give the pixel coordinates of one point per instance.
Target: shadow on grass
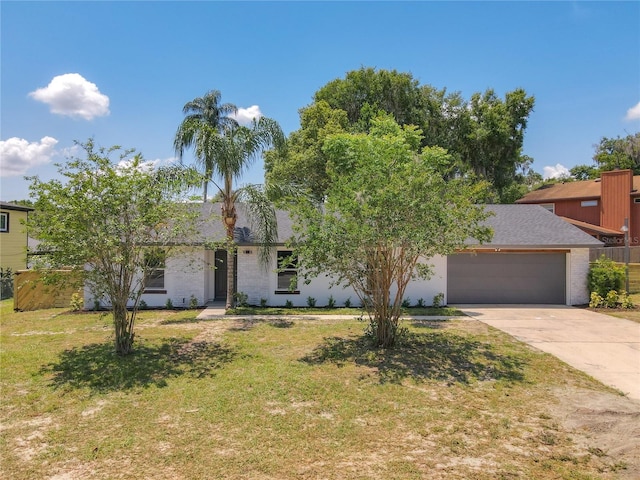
(246, 324)
(430, 324)
(441, 356)
(100, 369)
(187, 320)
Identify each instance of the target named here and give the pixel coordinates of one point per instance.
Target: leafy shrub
(347, 302)
(596, 300)
(193, 302)
(241, 299)
(605, 275)
(311, 302)
(76, 303)
(406, 302)
(438, 300)
(263, 302)
(6, 283)
(143, 305)
(611, 300)
(331, 302)
(625, 300)
(288, 304)
(168, 304)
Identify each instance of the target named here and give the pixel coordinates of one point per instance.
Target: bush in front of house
(6, 283)
(612, 299)
(604, 276)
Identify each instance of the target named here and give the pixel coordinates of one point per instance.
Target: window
(4, 222)
(154, 261)
(549, 206)
(589, 203)
(287, 272)
(636, 200)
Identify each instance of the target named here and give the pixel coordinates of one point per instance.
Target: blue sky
(120, 72)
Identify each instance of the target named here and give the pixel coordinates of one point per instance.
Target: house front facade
(535, 257)
(598, 207)
(13, 236)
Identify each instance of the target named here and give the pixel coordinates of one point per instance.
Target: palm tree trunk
(229, 218)
(231, 263)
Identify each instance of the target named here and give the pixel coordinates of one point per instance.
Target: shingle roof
(533, 226)
(587, 189)
(516, 226)
(13, 206)
(212, 230)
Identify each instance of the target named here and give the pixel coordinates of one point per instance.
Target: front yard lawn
(288, 399)
(355, 312)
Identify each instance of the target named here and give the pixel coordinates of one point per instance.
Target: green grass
(356, 312)
(279, 399)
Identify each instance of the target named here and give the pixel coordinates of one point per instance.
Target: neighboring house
(599, 207)
(534, 257)
(13, 236)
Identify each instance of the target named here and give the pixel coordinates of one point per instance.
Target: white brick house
(534, 257)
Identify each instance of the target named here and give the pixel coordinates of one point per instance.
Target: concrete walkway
(605, 347)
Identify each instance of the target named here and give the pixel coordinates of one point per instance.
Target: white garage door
(534, 278)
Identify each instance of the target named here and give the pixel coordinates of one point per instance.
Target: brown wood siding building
(602, 204)
(616, 192)
(574, 209)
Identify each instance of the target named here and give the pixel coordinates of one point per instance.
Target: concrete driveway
(605, 347)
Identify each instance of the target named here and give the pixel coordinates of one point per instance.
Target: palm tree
(226, 149)
(205, 117)
(234, 151)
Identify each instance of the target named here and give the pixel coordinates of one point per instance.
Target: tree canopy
(204, 120)
(388, 209)
(483, 135)
(111, 222)
(611, 154)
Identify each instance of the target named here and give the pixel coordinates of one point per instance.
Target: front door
(220, 275)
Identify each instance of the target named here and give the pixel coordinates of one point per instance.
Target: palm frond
(262, 219)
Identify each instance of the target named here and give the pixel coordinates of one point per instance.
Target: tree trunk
(386, 332)
(205, 189)
(229, 218)
(123, 328)
(231, 263)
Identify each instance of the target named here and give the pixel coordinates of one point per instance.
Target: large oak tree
(483, 135)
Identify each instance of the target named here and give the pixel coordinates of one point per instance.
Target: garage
(507, 277)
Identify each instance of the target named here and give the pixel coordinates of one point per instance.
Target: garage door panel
(507, 278)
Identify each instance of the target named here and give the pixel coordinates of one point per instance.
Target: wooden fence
(615, 253)
(31, 292)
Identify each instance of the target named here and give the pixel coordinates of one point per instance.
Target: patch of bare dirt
(603, 425)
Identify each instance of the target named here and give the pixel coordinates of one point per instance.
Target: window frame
(4, 229)
(155, 270)
(549, 206)
(287, 271)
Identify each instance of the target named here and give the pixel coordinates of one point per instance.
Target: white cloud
(148, 165)
(244, 116)
(558, 171)
(17, 155)
(74, 96)
(633, 113)
(144, 166)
